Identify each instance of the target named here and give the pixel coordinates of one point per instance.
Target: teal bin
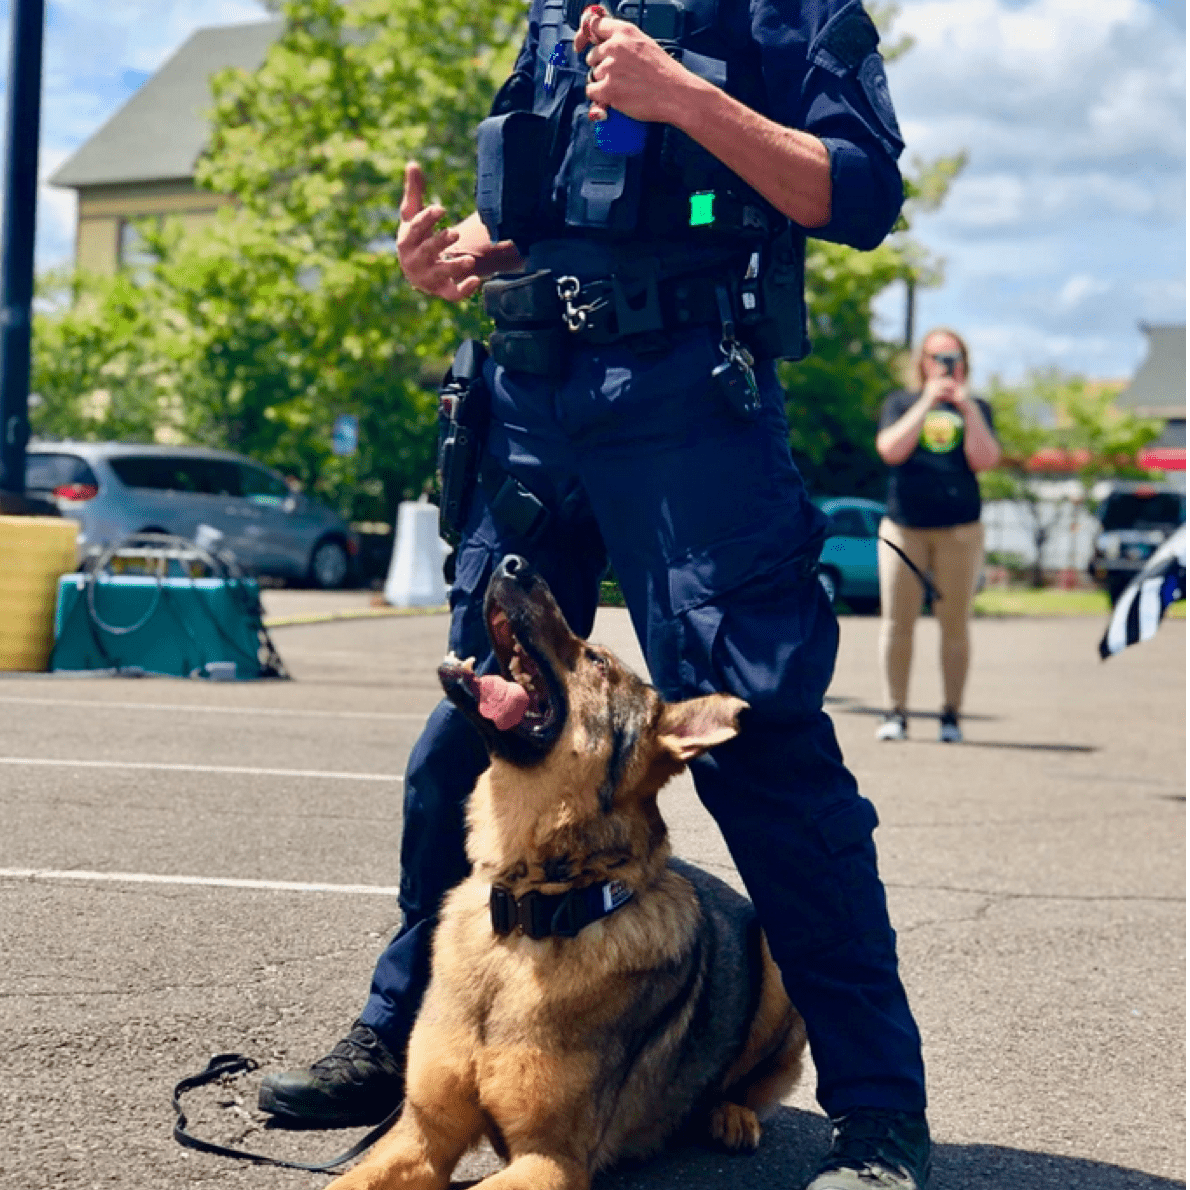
(176, 626)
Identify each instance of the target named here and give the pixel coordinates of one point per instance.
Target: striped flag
(1139, 609)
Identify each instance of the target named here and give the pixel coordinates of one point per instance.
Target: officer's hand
(628, 70)
(425, 256)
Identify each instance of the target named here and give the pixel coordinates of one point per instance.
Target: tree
(1059, 423)
(290, 309)
(94, 371)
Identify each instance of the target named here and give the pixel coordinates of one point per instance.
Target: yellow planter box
(35, 551)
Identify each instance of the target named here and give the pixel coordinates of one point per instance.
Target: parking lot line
(31, 761)
(96, 704)
(355, 890)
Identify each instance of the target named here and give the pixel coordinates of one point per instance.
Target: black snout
(516, 568)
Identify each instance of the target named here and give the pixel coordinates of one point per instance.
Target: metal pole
(19, 229)
(910, 302)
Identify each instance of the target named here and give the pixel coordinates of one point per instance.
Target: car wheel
(328, 565)
(828, 580)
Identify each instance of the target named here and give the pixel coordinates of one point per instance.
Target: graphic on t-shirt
(942, 431)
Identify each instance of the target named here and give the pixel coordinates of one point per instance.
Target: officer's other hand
(627, 69)
(425, 255)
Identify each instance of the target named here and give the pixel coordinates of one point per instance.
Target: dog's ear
(688, 729)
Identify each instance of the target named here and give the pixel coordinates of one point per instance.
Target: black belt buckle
(503, 909)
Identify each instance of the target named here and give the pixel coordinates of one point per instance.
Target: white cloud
(1067, 228)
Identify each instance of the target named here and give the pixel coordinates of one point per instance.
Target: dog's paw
(735, 1127)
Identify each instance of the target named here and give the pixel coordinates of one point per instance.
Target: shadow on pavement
(794, 1141)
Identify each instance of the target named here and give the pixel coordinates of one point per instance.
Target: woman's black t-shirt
(935, 486)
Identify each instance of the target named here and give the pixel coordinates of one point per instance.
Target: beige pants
(952, 557)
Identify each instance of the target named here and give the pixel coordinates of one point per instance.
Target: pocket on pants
(766, 635)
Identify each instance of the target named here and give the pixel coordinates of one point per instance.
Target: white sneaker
(893, 727)
(949, 731)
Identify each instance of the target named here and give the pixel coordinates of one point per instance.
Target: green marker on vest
(702, 208)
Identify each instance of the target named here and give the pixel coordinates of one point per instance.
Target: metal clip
(737, 353)
(576, 317)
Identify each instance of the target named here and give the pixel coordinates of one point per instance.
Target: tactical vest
(543, 175)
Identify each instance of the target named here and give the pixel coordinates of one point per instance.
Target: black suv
(1134, 519)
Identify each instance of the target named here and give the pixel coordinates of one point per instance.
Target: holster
(529, 335)
(464, 411)
(772, 306)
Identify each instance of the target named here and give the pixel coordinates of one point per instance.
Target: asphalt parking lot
(187, 868)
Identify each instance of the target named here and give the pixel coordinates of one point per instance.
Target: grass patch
(1025, 601)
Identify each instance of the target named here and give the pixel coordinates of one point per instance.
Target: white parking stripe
(97, 704)
(313, 774)
(356, 890)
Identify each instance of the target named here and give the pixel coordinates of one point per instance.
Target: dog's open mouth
(520, 698)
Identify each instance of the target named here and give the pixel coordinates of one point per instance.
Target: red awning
(1163, 458)
(1056, 460)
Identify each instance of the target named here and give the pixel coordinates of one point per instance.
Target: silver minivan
(114, 490)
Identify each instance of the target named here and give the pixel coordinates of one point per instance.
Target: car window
(154, 471)
(45, 472)
(1132, 510)
(262, 487)
(848, 522)
(216, 477)
(177, 473)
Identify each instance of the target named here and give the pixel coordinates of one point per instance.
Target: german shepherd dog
(590, 997)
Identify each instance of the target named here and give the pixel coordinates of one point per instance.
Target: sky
(1065, 232)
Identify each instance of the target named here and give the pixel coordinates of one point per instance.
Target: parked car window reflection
(263, 488)
(848, 522)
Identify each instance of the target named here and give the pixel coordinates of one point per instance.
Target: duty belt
(539, 315)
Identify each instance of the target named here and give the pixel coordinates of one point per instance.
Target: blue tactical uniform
(635, 456)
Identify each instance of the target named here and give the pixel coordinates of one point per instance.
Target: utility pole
(19, 230)
(910, 303)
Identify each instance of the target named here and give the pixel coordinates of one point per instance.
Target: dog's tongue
(501, 701)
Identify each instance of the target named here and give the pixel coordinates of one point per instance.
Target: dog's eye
(597, 659)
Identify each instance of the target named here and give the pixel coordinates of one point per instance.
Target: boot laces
(358, 1054)
(871, 1143)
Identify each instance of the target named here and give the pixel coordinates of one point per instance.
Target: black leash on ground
(932, 594)
(232, 1064)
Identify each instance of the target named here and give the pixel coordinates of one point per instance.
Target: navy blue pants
(708, 528)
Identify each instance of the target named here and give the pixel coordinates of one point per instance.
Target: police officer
(646, 182)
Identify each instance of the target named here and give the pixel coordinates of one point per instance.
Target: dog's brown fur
(571, 1053)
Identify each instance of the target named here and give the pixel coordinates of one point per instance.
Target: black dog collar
(562, 914)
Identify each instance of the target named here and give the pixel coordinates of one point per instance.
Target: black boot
(359, 1082)
(876, 1150)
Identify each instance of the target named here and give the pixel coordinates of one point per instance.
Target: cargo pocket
(844, 831)
(752, 625)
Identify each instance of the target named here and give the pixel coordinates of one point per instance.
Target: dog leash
(231, 1064)
(932, 593)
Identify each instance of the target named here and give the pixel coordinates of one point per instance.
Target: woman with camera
(935, 441)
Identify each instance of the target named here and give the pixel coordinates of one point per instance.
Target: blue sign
(345, 435)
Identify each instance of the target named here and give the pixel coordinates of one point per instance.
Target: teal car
(849, 571)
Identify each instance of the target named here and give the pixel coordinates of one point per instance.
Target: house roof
(1159, 388)
(160, 132)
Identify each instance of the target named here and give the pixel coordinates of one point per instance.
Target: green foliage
(255, 331)
(94, 373)
(1048, 411)
(1051, 410)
